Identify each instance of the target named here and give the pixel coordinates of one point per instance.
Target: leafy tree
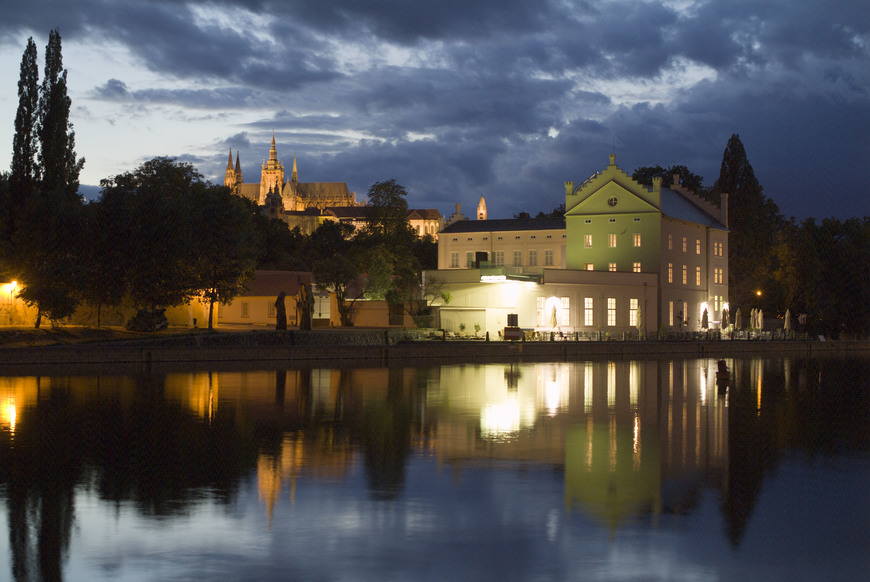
(103, 259)
(154, 204)
(387, 219)
(390, 242)
(224, 249)
(557, 212)
(688, 179)
(337, 266)
(425, 250)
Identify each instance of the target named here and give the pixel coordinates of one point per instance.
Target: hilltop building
(289, 195)
(625, 258)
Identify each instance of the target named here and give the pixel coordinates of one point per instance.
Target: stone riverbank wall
(379, 348)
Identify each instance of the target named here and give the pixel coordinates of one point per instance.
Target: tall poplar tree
(755, 222)
(24, 177)
(48, 231)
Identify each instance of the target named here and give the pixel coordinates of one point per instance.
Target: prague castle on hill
(295, 196)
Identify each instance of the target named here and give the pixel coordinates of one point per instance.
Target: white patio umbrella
(787, 325)
(738, 319)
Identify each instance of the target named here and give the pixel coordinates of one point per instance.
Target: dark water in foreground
(606, 470)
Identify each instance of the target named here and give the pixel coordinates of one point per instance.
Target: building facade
(625, 258)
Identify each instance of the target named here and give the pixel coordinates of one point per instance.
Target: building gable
(610, 192)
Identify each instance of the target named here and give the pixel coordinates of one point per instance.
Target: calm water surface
(600, 470)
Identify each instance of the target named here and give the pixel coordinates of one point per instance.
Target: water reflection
(630, 441)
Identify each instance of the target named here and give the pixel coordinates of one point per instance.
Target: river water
(598, 470)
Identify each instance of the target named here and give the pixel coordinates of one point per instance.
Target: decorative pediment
(611, 191)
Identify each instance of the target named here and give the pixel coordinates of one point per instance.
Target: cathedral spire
(293, 175)
(230, 174)
(273, 151)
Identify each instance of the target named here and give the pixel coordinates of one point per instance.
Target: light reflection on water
(629, 470)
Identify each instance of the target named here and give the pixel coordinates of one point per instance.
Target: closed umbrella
(760, 316)
(738, 319)
(705, 320)
(787, 325)
(725, 316)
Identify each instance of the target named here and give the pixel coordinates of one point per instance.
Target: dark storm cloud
(508, 98)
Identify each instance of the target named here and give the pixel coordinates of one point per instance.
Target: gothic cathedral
(274, 190)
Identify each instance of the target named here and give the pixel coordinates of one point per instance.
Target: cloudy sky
(461, 98)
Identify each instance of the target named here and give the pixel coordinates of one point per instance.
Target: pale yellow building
(624, 258)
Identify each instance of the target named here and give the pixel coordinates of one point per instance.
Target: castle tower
(481, 209)
(272, 175)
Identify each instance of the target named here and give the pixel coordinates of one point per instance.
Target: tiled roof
(505, 224)
(675, 205)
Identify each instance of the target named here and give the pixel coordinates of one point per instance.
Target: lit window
(685, 245)
(611, 311)
(611, 267)
(632, 312)
(548, 258)
(670, 272)
(611, 241)
(635, 267)
(589, 267)
(670, 242)
(587, 240)
(636, 238)
(685, 275)
(671, 313)
(588, 312)
(698, 276)
(697, 246)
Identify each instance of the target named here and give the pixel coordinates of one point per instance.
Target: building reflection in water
(634, 439)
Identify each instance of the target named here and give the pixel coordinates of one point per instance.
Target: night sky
(456, 99)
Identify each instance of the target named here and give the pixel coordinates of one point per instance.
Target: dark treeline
(161, 236)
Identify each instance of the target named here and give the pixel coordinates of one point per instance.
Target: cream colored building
(624, 258)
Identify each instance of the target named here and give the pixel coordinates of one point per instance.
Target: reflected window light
(587, 387)
(634, 382)
(636, 443)
(611, 384)
(500, 420)
(10, 414)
